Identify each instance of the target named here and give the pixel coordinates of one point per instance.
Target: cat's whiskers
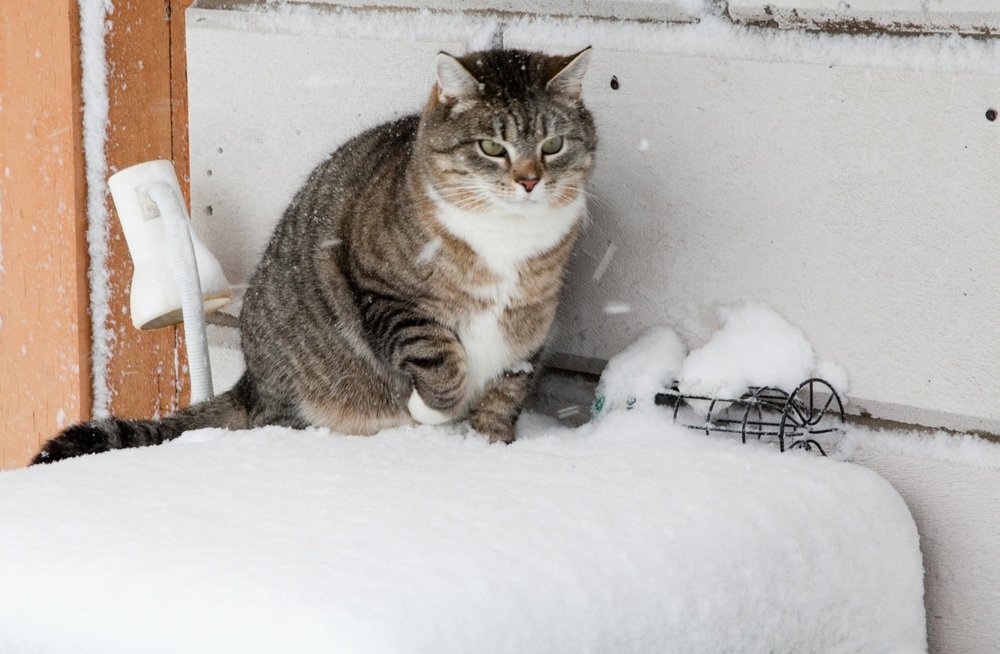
(593, 197)
(463, 197)
(463, 201)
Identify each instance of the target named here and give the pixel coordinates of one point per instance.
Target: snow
(634, 376)
(93, 27)
(631, 535)
(429, 251)
(616, 308)
(523, 366)
(605, 261)
(754, 347)
(719, 38)
(946, 447)
(714, 36)
(835, 375)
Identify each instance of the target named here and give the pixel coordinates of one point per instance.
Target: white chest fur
(502, 240)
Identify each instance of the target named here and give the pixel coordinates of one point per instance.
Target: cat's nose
(528, 183)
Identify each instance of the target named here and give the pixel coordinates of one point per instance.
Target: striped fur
(412, 273)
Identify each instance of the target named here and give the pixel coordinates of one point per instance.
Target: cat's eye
(492, 148)
(552, 145)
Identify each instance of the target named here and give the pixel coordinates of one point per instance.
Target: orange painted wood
(44, 326)
(145, 368)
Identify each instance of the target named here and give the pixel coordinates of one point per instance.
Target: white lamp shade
(155, 296)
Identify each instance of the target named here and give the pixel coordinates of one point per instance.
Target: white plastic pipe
(185, 267)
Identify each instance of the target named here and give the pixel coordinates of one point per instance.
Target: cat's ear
(569, 80)
(455, 84)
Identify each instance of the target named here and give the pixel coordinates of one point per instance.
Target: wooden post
(145, 366)
(44, 326)
(44, 298)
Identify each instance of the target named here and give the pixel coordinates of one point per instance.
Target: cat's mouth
(524, 204)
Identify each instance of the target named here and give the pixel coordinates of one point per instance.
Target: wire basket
(794, 420)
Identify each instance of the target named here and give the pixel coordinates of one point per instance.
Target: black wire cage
(794, 419)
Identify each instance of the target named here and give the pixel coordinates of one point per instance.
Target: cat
(415, 277)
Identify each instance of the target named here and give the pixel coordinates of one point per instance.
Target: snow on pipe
(185, 267)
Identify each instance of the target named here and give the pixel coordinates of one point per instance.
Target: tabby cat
(415, 276)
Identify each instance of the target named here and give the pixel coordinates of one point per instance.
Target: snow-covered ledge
(848, 182)
(631, 536)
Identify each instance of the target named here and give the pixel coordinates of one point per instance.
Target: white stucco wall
(858, 199)
(957, 510)
(860, 202)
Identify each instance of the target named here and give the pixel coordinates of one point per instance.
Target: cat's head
(508, 130)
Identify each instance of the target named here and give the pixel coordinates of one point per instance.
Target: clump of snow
(616, 308)
(628, 535)
(605, 261)
(754, 347)
(93, 27)
(835, 375)
(523, 366)
(429, 251)
(634, 376)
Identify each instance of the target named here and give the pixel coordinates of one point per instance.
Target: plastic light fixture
(176, 279)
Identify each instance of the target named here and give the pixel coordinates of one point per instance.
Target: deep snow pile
(754, 346)
(629, 535)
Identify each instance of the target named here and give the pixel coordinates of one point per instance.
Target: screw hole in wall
(614, 82)
(991, 115)
(209, 172)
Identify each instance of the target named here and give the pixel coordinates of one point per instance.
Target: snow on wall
(94, 25)
(712, 36)
(943, 447)
(662, 10)
(906, 16)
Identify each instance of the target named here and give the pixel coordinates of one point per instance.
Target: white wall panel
(860, 203)
(863, 205)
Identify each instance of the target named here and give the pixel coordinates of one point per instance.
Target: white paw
(423, 413)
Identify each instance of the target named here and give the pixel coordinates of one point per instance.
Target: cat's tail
(229, 410)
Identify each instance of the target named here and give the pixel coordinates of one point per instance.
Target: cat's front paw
(497, 429)
(422, 413)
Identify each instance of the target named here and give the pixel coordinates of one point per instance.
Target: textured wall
(860, 203)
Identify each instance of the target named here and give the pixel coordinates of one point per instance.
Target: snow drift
(629, 535)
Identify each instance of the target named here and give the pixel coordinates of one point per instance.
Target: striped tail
(229, 410)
